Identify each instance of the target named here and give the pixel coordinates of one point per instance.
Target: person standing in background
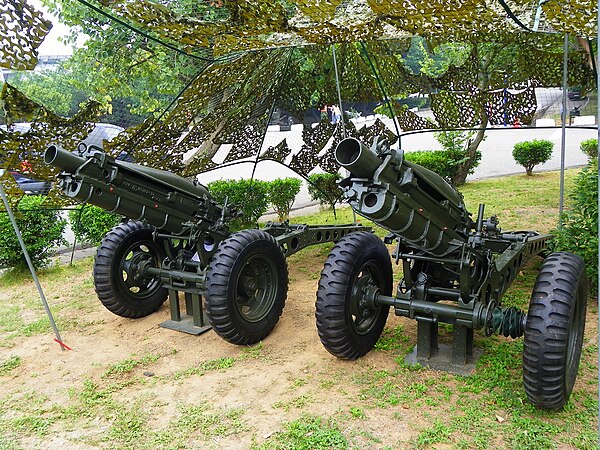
(336, 114)
(323, 110)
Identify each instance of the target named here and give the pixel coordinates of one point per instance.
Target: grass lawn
(131, 384)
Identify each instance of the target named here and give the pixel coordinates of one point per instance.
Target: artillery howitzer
(455, 271)
(178, 241)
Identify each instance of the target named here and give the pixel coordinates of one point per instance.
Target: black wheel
(246, 287)
(118, 283)
(554, 330)
(348, 324)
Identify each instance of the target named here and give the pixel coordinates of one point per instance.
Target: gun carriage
(178, 240)
(455, 270)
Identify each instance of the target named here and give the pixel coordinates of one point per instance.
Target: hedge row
(42, 229)
(253, 197)
(590, 148)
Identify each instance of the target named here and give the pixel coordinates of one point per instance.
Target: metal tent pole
(564, 129)
(75, 238)
(383, 92)
(29, 263)
(598, 131)
(339, 92)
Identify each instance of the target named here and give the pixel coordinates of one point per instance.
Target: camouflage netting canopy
(258, 57)
(22, 30)
(240, 25)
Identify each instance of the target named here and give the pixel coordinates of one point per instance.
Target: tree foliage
(282, 194)
(579, 230)
(323, 187)
(420, 59)
(51, 88)
(130, 75)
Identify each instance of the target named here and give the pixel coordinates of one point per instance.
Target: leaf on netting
(577, 17)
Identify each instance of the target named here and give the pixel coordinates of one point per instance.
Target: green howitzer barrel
(403, 197)
(164, 200)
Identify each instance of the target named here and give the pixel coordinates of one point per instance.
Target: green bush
(443, 162)
(91, 223)
(282, 193)
(590, 147)
(323, 188)
(531, 153)
(249, 197)
(40, 228)
(579, 231)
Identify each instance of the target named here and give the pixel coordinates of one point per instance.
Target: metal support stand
(458, 358)
(462, 349)
(427, 340)
(194, 321)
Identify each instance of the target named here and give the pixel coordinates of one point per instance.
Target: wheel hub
(363, 294)
(136, 267)
(250, 286)
(256, 289)
(361, 291)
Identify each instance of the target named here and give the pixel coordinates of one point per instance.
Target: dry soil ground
(132, 384)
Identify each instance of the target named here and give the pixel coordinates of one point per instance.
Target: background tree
(323, 187)
(282, 194)
(129, 74)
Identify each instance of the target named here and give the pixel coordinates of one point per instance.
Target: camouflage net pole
(339, 92)
(563, 139)
(598, 137)
(58, 339)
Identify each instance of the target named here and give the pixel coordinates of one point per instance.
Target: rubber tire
(109, 283)
(334, 306)
(554, 330)
(222, 294)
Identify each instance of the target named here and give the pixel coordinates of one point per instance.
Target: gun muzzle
(62, 159)
(403, 197)
(163, 199)
(356, 157)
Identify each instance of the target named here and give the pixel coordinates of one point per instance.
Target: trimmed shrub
(579, 232)
(531, 153)
(282, 193)
(590, 147)
(91, 223)
(445, 163)
(41, 229)
(249, 197)
(323, 187)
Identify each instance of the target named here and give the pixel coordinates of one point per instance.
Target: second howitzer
(178, 240)
(455, 270)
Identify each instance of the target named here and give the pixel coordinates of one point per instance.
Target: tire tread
(560, 287)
